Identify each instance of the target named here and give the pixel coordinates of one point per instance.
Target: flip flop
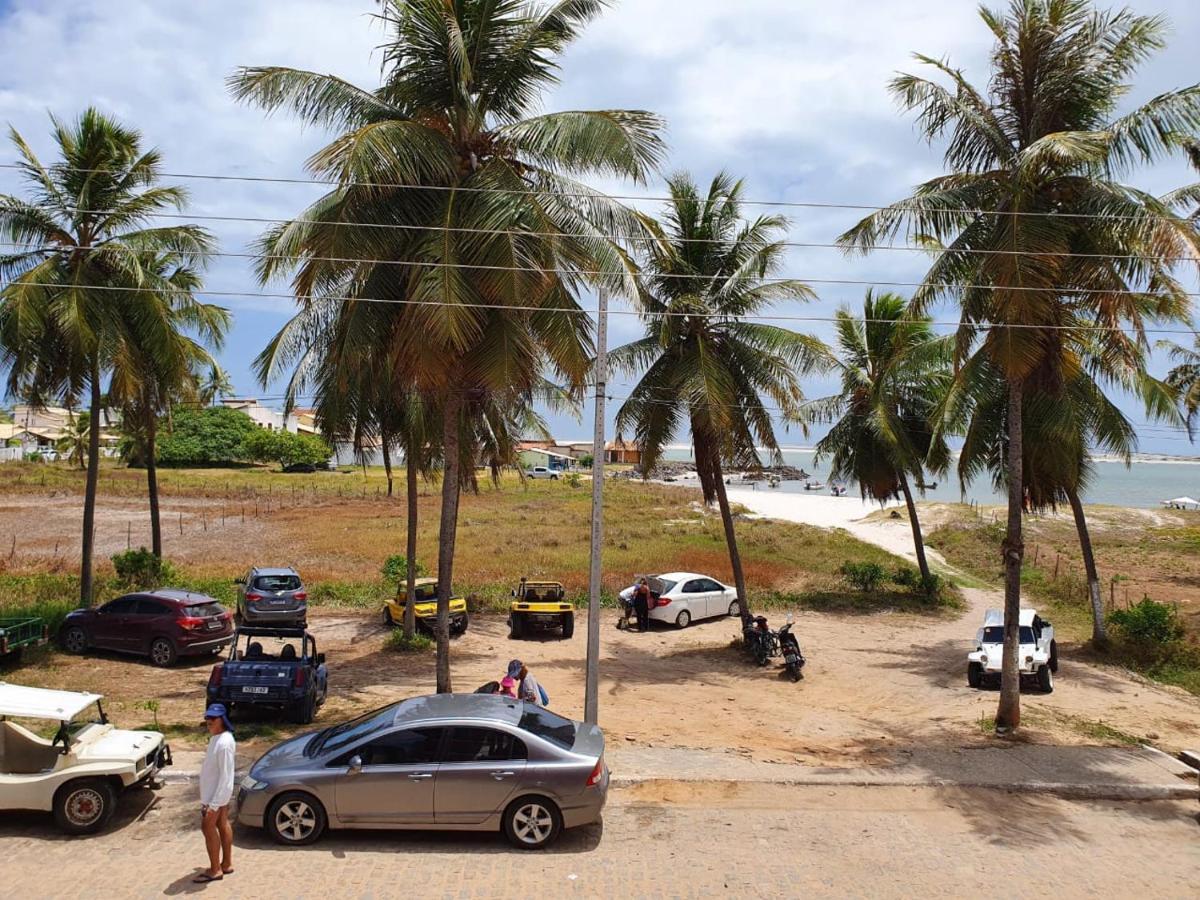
(227, 871)
(205, 878)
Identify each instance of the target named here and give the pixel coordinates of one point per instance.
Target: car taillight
(254, 596)
(597, 774)
(214, 678)
(299, 678)
(301, 595)
(663, 601)
(190, 623)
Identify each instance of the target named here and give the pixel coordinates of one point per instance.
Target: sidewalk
(1098, 773)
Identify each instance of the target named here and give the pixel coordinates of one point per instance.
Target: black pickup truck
(273, 667)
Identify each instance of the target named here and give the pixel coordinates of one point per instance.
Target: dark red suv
(163, 624)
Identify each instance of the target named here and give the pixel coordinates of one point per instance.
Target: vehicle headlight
(1029, 659)
(250, 783)
(983, 659)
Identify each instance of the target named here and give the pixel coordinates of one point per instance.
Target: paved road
(663, 840)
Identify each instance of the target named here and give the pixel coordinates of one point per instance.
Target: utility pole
(591, 703)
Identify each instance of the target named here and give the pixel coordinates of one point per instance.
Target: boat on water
(837, 489)
(813, 485)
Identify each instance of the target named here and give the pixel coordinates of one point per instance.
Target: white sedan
(685, 597)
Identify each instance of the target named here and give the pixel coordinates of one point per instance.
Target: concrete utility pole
(591, 703)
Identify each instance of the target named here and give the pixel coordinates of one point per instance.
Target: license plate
(213, 625)
(277, 601)
(255, 690)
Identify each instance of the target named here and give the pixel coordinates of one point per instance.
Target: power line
(983, 326)
(530, 192)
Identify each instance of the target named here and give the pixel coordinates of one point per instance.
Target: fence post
(1057, 558)
(181, 524)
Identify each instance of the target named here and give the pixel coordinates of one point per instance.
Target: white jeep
(1037, 658)
(78, 774)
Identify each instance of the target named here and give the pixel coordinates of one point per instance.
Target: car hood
(103, 742)
(289, 753)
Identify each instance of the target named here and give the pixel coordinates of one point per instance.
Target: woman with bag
(528, 688)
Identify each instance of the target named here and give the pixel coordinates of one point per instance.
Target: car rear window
(277, 582)
(203, 610)
(549, 726)
(994, 634)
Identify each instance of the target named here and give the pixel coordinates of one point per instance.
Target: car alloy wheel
(162, 652)
(735, 608)
(295, 821)
(74, 640)
(532, 823)
(684, 619)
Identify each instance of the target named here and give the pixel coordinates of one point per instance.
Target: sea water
(1144, 483)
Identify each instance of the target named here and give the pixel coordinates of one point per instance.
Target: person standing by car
(528, 688)
(216, 791)
(641, 604)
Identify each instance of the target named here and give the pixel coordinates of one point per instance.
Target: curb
(1070, 790)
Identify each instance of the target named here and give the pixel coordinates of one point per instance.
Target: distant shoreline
(1152, 458)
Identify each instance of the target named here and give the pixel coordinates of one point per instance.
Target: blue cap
(514, 668)
(218, 711)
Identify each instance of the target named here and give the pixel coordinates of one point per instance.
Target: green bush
(211, 436)
(573, 479)
(286, 448)
(1148, 623)
(397, 642)
(865, 577)
(907, 576)
(395, 570)
(142, 569)
(586, 461)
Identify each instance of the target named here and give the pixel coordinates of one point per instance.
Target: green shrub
(142, 569)
(1148, 622)
(395, 570)
(286, 448)
(865, 577)
(586, 461)
(573, 479)
(398, 642)
(205, 437)
(907, 576)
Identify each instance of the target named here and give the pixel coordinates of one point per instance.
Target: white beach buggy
(1037, 658)
(80, 771)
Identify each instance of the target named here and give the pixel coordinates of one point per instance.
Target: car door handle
(500, 776)
(419, 776)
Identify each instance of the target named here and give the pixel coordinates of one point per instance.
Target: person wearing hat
(216, 791)
(528, 688)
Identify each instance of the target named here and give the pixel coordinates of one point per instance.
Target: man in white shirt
(216, 791)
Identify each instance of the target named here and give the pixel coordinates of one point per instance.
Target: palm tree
(82, 278)
(214, 384)
(1041, 241)
(487, 232)
(155, 367)
(1184, 378)
(73, 445)
(893, 370)
(701, 364)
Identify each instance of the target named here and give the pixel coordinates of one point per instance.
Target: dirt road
(660, 841)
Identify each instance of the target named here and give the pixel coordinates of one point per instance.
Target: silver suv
(272, 596)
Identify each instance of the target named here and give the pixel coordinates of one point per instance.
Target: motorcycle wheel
(794, 671)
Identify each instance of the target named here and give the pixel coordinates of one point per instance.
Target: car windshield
(203, 610)
(423, 592)
(550, 726)
(994, 634)
(343, 735)
(277, 582)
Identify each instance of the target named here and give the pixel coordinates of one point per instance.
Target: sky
(788, 94)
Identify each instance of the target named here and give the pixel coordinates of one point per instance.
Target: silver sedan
(462, 762)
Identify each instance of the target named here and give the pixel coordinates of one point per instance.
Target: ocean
(1146, 482)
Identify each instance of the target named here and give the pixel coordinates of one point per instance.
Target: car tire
(975, 675)
(735, 608)
(295, 819)
(163, 652)
(516, 629)
(238, 618)
(532, 823)
(684, 619)
(1054, 657)
(388, 621)
(1045, 680)
(74, 640)
(554, 478)
(568, 625)
(84, 806)
(305, 711)
(460, 630)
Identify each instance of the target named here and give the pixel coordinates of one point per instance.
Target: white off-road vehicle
(78, 773)
(1038, 656)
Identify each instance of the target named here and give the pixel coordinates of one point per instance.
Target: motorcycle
(789, 644)
(761, 642)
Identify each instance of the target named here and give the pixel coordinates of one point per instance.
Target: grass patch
(1098, 731)
(987, 725)
(398, 642)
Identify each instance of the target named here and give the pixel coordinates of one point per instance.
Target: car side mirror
(320, 659)
(356, 763)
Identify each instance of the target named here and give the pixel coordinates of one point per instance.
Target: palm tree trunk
(918, 540)
(410, 550)
(89, 493)
(735, 558)
(152, 483)
(387, 460)
(447, 532)
(1099, 635)
(1008, 715)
